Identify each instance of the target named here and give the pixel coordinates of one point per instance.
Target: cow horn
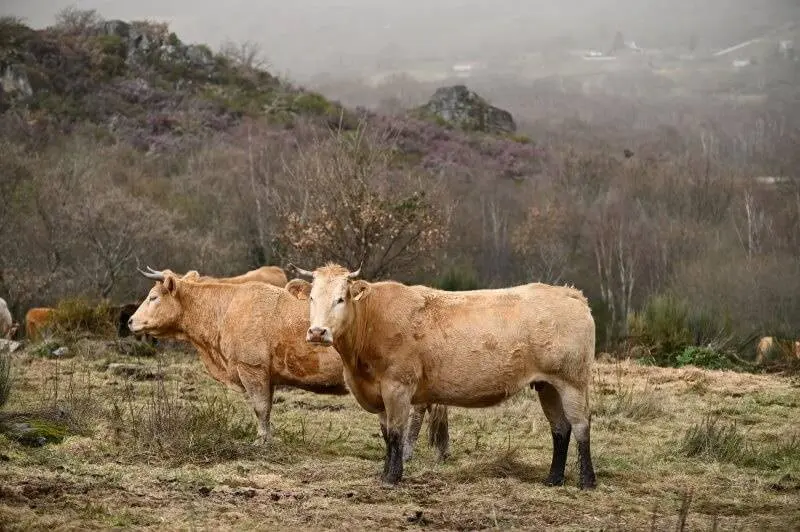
(299, 271)
(156, 276)
(353, 275)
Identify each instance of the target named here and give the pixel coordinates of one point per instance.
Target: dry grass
(175, 453)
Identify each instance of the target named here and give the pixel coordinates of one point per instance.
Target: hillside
(137, 89)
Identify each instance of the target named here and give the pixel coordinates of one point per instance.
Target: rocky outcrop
(463, 108)
(138, 42)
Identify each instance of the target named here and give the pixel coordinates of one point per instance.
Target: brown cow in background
(36, 321)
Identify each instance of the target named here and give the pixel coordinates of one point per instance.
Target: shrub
(703, 357)
(662, 325)
(310, 103)
(75, 317)
(676, 335)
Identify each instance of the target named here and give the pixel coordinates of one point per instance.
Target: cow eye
(340, 301)
(152, 298)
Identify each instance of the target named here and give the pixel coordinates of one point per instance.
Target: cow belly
(479, 379)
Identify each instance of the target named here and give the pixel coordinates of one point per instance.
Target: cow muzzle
(319, 335)
(135, 327)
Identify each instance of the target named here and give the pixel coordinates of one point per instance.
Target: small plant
(714, 439)
(703, 357)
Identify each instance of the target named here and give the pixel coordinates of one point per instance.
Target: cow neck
(204, 305)
(353, 344)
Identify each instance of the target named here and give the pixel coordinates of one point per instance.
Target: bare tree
(352, 206)
(247, 54)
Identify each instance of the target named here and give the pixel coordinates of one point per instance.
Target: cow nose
(316, 334)
(130, 322)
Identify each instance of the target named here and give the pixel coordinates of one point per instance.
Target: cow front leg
(397, 400)
(259, 391)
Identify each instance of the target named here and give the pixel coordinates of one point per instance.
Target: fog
(304, 38)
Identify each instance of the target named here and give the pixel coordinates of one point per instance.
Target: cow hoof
(554, 481)
(587, 484)
(261, 441)
(391, 479)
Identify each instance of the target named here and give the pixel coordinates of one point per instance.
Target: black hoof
(391, 479)
(554, 481)
(587, 484)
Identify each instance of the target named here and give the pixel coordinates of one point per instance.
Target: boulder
(463, 108)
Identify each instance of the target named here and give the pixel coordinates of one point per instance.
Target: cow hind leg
(576, 409)
(385, 434)
(560, 429)
(412, 431)
(438, 431)
(259, 391)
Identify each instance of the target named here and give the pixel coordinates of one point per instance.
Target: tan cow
(405, 345)
(250, 337)
(273, 275)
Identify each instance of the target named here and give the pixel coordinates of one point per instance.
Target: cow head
(332, 295)
(160, 311)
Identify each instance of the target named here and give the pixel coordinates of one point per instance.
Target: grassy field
(166, 447)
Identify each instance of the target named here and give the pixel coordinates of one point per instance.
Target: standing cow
(251, 337)
(406, 345)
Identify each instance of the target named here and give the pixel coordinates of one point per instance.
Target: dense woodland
(131, 151)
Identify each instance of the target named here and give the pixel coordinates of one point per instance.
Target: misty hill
(145, 86)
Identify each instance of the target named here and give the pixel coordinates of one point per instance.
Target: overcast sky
(306, 37)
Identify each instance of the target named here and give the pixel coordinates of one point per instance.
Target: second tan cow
(405, 345)
(251, 337)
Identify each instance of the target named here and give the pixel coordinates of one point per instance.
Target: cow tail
(438, 432)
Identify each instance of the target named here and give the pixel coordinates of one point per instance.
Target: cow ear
(358, 289)
(170, 285)
(299, 288)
